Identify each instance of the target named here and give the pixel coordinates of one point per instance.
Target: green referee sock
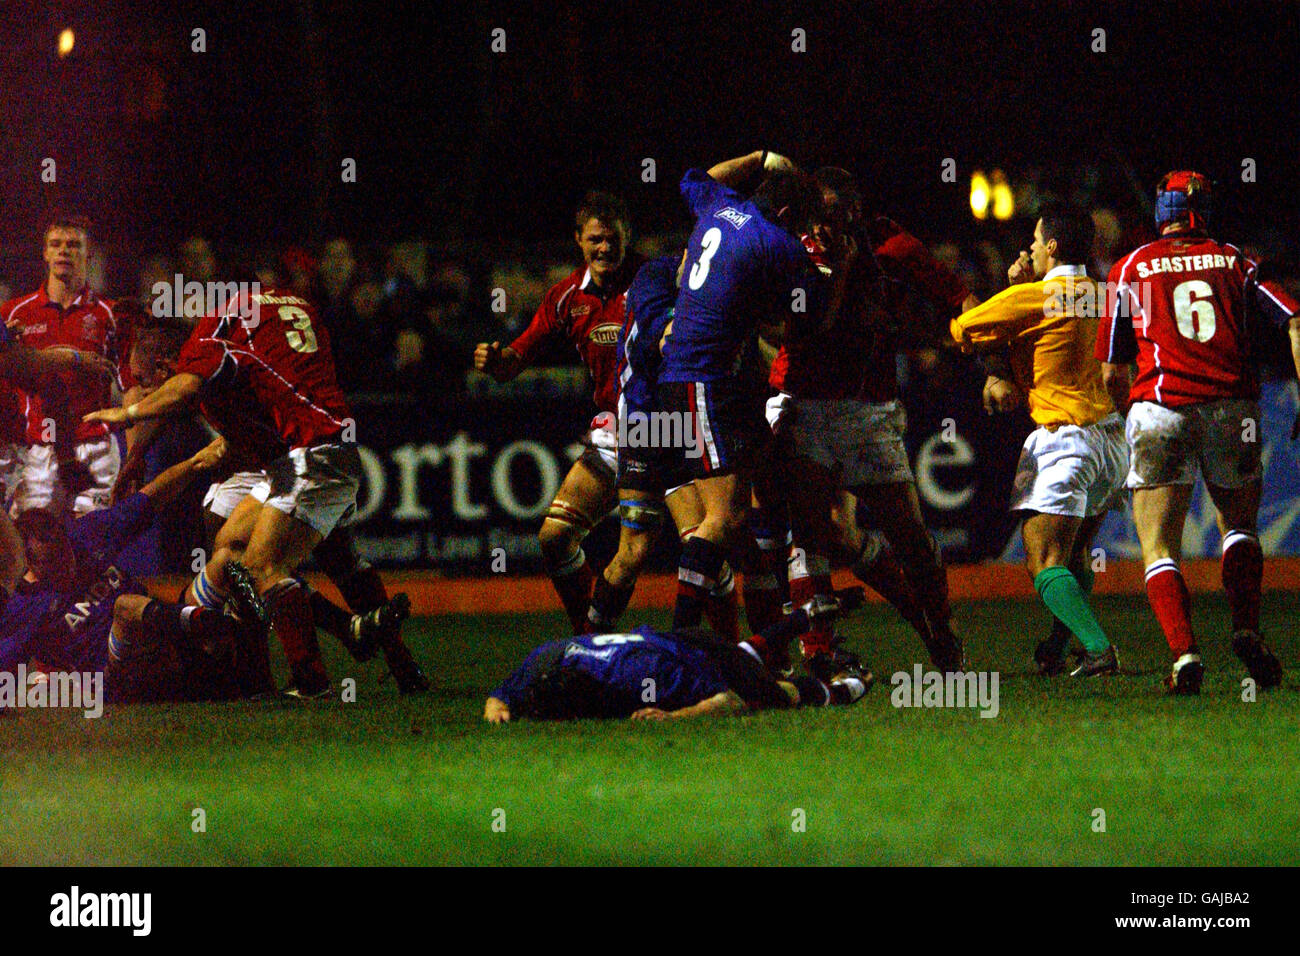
(1060, 637)
(1061, 592)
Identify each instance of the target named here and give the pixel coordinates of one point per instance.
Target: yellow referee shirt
(1051, 328)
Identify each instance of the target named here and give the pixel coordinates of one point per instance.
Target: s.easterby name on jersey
(50, 690)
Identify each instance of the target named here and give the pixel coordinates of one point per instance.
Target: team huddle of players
(283, 469)
(772, 341)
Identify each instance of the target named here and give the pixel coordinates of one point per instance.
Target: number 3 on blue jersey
(708, 246)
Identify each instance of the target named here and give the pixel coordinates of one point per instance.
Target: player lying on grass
(77, 611)
(649, 675)
(370, 621)
(839, 414)
(651, 476)
(1072, 468)
(1188, 309)
(587, 310)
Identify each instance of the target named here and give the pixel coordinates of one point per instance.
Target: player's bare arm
(26, 367)
(748, 168)
(176, 395)
(496, 711)
(1293, 331)
(727, 702)
(1118, 379)
(174, 480)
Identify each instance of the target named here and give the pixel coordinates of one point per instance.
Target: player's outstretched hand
(651, 713)
(496, 712)
(486, 356)
(109, 416)
(211, 455)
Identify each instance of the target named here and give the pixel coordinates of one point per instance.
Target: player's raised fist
(486, 356)
(1022, 270)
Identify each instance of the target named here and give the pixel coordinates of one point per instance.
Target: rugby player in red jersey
(22, 367)
(587, 310)
(1186, 308)
(264, 373)
(66, 312)
(838, 405)
(372, 621)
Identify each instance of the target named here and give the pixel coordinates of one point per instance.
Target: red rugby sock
(1167, 592)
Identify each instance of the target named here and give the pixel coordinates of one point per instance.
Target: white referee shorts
(317, 486)
(223, 497)
(38, 484)
(1220, 439)
(1072, 470)
(862, 441)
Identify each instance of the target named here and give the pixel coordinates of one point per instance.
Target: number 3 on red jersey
(301, 336)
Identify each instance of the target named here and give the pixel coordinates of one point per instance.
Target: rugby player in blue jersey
(648, 674)
(746, 266)
(78, 611)
(651, 475)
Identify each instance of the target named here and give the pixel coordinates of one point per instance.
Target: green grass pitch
(388, 781)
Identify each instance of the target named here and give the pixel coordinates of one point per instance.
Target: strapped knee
(568, 514)
(640, 515)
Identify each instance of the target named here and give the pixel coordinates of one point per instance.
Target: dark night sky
(451, 140)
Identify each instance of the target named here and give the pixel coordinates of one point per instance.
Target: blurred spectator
(950, 256)
(338, 267)
(197, 262)
(993, 268)
(1105, 243)
(298, 271)
(156, 270)
(96, 268)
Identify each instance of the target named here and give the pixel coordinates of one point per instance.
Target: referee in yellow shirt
(1073, 465)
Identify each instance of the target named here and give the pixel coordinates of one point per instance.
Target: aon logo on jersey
(106, 587)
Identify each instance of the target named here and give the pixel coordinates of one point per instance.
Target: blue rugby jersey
(682, 674)
(740, 269)
(68, 631)
(650, 300)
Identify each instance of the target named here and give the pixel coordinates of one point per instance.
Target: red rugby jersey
(1182, 307)
(590, 319)
(88, 324)
(855, 357)
(269, 380)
